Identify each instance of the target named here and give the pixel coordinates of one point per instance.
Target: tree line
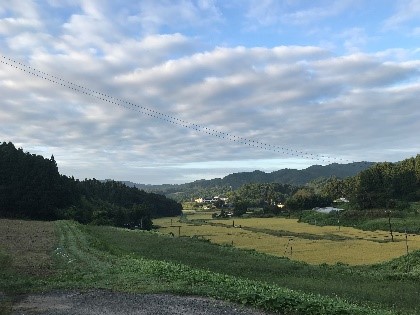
(382, 185)
(221, 186)
(31, 187)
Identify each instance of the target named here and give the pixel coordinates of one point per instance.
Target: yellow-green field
(327, 244)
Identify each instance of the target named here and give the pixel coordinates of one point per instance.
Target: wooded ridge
(217, 186)
(31, 187)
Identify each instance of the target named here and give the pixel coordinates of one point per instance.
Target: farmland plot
(297, 241)
(31, 243)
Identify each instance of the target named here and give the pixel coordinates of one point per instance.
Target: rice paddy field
(297, 241)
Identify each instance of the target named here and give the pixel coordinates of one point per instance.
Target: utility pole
(179, 229)
(390, 226)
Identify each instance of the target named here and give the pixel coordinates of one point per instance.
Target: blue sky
(229, 86)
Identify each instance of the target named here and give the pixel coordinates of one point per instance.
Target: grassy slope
(363, 284)
(103, 257)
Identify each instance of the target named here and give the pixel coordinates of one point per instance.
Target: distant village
(212, 199)
(329, 209)
(209, 203)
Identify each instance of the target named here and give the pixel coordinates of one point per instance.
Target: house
(205, 200)
(223, 198)
(340, 200)
(327, 209)
(211, 199)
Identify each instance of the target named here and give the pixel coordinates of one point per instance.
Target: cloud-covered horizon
(337, 83)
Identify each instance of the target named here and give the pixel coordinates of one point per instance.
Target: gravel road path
(101, 302)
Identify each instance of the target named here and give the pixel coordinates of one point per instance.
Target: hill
(233, 181)
(32, 188)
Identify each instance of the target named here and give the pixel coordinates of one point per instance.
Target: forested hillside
(217, 186)
(382, 185)
(31, 187)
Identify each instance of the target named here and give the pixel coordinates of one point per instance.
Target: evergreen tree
(31, 187)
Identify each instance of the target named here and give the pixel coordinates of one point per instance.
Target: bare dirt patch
(117, 303)
(29, 245)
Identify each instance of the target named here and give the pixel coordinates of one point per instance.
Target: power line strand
(162, 116)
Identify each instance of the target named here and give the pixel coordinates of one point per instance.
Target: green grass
(360, 285)
(87, 261)
(135, 261)
(410, 224)
(401, 221)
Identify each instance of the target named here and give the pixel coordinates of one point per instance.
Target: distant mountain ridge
(283, 176)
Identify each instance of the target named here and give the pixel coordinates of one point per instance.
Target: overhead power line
(162, 116)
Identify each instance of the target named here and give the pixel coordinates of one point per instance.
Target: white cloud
(269, 105)
(150, 51)
(265, 12)
(152, 15)
(269, 12)
(415, 32)
(21, 16)
(12, 25)
(317, 13)
(291, 98)
(406, 11)
(355, 39)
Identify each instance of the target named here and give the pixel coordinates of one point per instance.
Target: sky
(168, 92)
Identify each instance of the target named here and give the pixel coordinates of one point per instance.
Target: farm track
(74, 246)
(99, 269)
(98, 302)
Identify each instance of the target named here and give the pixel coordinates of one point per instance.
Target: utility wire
(161, 116)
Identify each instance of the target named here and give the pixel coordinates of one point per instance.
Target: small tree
(140, 217)
(219, 203)
(240, 208)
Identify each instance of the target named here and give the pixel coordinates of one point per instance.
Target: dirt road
(101, 302)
